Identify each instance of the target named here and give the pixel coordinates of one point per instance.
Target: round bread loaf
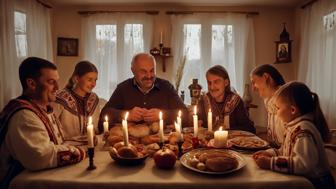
(127, 152)
(221, 164)
(113, 139)
(150, 139)
(212, 154)
(139, 130)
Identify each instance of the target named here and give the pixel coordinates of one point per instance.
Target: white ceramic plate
(184, 160)
(248, 143)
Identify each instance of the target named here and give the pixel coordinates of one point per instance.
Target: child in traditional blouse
(302, 152)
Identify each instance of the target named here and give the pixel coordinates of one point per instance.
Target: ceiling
(286, 3)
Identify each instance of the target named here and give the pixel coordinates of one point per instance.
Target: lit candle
(210, 120)
(125, 129)
(161, 127)
(195, 118)
(89, 131)
(106, 125)
(220, 138)
(178, 131)
(179, 120)
(161, 38)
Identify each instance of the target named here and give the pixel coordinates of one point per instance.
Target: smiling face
(259, 84)
(216, 86)
(85, 83)
(144, 71)
(46, 86)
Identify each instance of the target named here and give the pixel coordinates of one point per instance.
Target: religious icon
(283, 48)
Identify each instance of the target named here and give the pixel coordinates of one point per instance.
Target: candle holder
(91, 155)
(180, 150)
(161, 48)
(195, 142)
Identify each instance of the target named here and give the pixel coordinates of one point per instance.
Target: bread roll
(113, 139)
(139, 130)
(128, 152)
(221, 164)
(154, 127)
(150, 139)
(212, 154)
(116, 130)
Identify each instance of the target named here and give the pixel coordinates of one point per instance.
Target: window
(192, 36)
(20, 25)
(217, 49)
(329, 21)
(113, 46)
(134, 37)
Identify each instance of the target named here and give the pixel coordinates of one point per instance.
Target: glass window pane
(20, 34)
(134, 37)
(192, 37)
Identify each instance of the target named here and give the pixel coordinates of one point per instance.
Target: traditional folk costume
(231, 113)
(275, 127)
(30, 138)
(74, 111)
(302, 153)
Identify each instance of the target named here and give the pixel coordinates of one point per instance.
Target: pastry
(139, 130)
(128, 152)
(150, 139)
(221, 163)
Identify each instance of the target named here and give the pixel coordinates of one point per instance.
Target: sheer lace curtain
(110, 41)
(24, 31)
(317, 66)
(210, 39)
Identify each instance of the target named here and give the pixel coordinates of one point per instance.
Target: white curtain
(210, 39)
(9, 82)
(36, 42)
(110, 41)
(317, 63)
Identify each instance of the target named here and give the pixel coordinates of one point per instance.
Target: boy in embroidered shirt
(302, 152)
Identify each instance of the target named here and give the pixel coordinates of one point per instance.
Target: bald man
(143, 96)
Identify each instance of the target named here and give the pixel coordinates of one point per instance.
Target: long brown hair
(270, 70)
(81, 68)
(298, 94)
(220, 71)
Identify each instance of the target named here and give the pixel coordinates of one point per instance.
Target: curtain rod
(44, 4)
(192, 12)
(309, 3)
(151, 12)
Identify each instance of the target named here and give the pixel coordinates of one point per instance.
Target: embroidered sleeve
(302, 159)
(29, 142)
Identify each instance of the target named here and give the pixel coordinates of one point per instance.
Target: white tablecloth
(147, 176)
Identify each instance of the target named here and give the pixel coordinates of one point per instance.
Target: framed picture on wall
(67, 46)
(283, 52)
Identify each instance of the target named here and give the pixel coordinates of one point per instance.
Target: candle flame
(209, 109)
(106, 118)
(220, 128)
(160, 115)
(126, 116)
(195, 110)
(179, 113)
(90, 120)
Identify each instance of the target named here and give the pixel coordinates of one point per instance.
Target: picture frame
(283, 51)
(67, 46)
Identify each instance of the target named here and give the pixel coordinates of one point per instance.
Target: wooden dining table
(109, 174)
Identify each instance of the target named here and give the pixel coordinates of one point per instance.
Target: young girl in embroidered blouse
(302, 152)
(77, 102)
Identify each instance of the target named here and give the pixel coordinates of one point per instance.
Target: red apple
(165, 158)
